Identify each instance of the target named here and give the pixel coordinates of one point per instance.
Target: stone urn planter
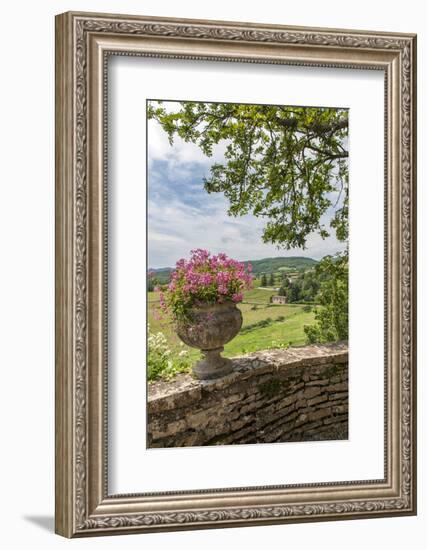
(211, 326)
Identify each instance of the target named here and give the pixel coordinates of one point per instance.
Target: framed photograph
(235, 274)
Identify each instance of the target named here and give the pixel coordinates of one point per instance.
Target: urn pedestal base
(211, 326)
(212, 365)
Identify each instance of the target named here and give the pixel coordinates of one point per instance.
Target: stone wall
(298, 394)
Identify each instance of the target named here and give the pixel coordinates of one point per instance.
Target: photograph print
(247, 273)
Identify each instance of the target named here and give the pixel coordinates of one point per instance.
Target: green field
(266, 265)
(258, 296)
(283, 325)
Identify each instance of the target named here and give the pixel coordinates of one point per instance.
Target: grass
(277, 334)
(258, 296)
(264, 325)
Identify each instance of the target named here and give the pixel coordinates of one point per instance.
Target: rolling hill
(266, 265)
(271, 265)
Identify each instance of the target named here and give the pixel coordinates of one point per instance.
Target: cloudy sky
(182, 216)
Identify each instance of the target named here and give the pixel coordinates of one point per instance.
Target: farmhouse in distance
(278, 300)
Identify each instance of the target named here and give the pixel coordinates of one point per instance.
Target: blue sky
(182, 216)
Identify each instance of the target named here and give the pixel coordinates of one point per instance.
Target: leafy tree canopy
(285, 164)
(332, 318)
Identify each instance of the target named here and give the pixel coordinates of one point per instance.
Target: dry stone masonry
(298, 394)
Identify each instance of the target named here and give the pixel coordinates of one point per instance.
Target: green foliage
(263, 279)
(257, 296)
(161, 276)
(271, 280)
(285, 164)
(161, 363)
(294, 292)
(262, 323)
(285, 281)
(332, 314)
(271, 265)
(303, 288)
(259, 324)
(152, 283)
(275, 344)
(271, 388)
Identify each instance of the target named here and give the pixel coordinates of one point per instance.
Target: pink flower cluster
(206, 278)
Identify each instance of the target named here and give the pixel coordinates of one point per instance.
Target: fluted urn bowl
(211, 326)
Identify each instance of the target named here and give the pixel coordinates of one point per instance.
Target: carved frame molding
(83, 43)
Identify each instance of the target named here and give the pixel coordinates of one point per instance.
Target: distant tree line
(152, 282)
(303, 288)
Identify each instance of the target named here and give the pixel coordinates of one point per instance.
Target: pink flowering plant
(204, 279)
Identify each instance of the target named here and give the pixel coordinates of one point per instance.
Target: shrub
(279, 345)
(259, 324)
(160, 363)
(332, 315)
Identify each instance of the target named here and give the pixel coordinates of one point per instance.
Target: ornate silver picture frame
(84, 505)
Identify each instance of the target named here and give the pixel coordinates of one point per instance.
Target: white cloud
(176, 228)
(181, 154)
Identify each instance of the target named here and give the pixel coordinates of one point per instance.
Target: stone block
(341, 386)
(336, 419)
(339, 409)
(312, 391)
(338, 396)
(319, 414)
(317, 382)
(316, 400)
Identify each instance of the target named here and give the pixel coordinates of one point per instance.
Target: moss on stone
(333, 371)
(271, 387)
